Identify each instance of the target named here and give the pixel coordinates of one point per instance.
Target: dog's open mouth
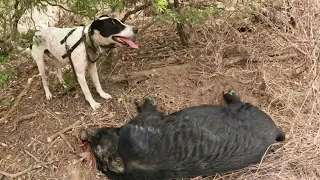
(125, 41)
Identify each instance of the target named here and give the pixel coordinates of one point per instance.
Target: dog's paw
(49, 96)
(105, 95)
(94, 105)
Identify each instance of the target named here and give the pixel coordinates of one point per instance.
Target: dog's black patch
(107, 27)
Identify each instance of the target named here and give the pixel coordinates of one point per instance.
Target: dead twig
(35, 158)
(16, 103)
(67, 142)
(144, 28)
(37, 166)
(55, 135)
(31, 155)
(135, 10)
(146, 74)
(23, 118)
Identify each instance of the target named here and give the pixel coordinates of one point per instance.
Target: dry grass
(273, 65)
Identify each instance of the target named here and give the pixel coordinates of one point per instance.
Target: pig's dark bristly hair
(196, 141)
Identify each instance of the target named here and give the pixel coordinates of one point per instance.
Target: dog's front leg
(92, 68)
(85, 89)
(80, 69)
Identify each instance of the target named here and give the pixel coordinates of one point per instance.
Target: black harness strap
(66, 37)
(69, 51)
(82, 39)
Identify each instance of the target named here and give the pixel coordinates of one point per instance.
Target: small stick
(16, 103)
(28, 116)
(37, 166)
(23, 118)
(137, 9)
(55, 135)
(67, 142)
(35, 158)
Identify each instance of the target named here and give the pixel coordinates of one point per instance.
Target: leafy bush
(5, 77)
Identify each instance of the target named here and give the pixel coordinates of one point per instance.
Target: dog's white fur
(49, 39)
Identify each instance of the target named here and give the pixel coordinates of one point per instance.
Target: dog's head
(107, 30)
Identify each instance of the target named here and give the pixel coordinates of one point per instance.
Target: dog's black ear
(96, 24)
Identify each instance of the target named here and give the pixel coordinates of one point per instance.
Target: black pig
(196, 141)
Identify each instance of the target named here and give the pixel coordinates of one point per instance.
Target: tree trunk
(15, 20)
(180, 26)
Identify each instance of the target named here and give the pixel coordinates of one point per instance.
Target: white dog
(81, 46)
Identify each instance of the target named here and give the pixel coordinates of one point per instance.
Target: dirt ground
(187, 76)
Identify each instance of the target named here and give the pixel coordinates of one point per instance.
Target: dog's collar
(90, 43)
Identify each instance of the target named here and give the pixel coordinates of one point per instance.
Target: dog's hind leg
(92, 68)
(37, 54)
(231, 97)
(58, 65)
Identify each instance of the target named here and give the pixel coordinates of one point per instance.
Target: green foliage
(4, 58)
(5, 77)
(85, 7)
(70, 80)
(161, 6)
(116, 4)
(198, 15)
(25, 39)
(90, 8)
(190, 15)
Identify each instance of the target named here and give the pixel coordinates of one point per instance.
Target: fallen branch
(55, 135)
(146, 74)
(16, 103)
(135, 10)
(23, 118)
(9, 175)
(67, 142)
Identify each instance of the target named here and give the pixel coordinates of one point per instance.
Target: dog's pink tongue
(129, 42)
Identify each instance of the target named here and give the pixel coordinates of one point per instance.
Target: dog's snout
(135, 30)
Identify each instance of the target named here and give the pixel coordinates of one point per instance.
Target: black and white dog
(86, 44)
